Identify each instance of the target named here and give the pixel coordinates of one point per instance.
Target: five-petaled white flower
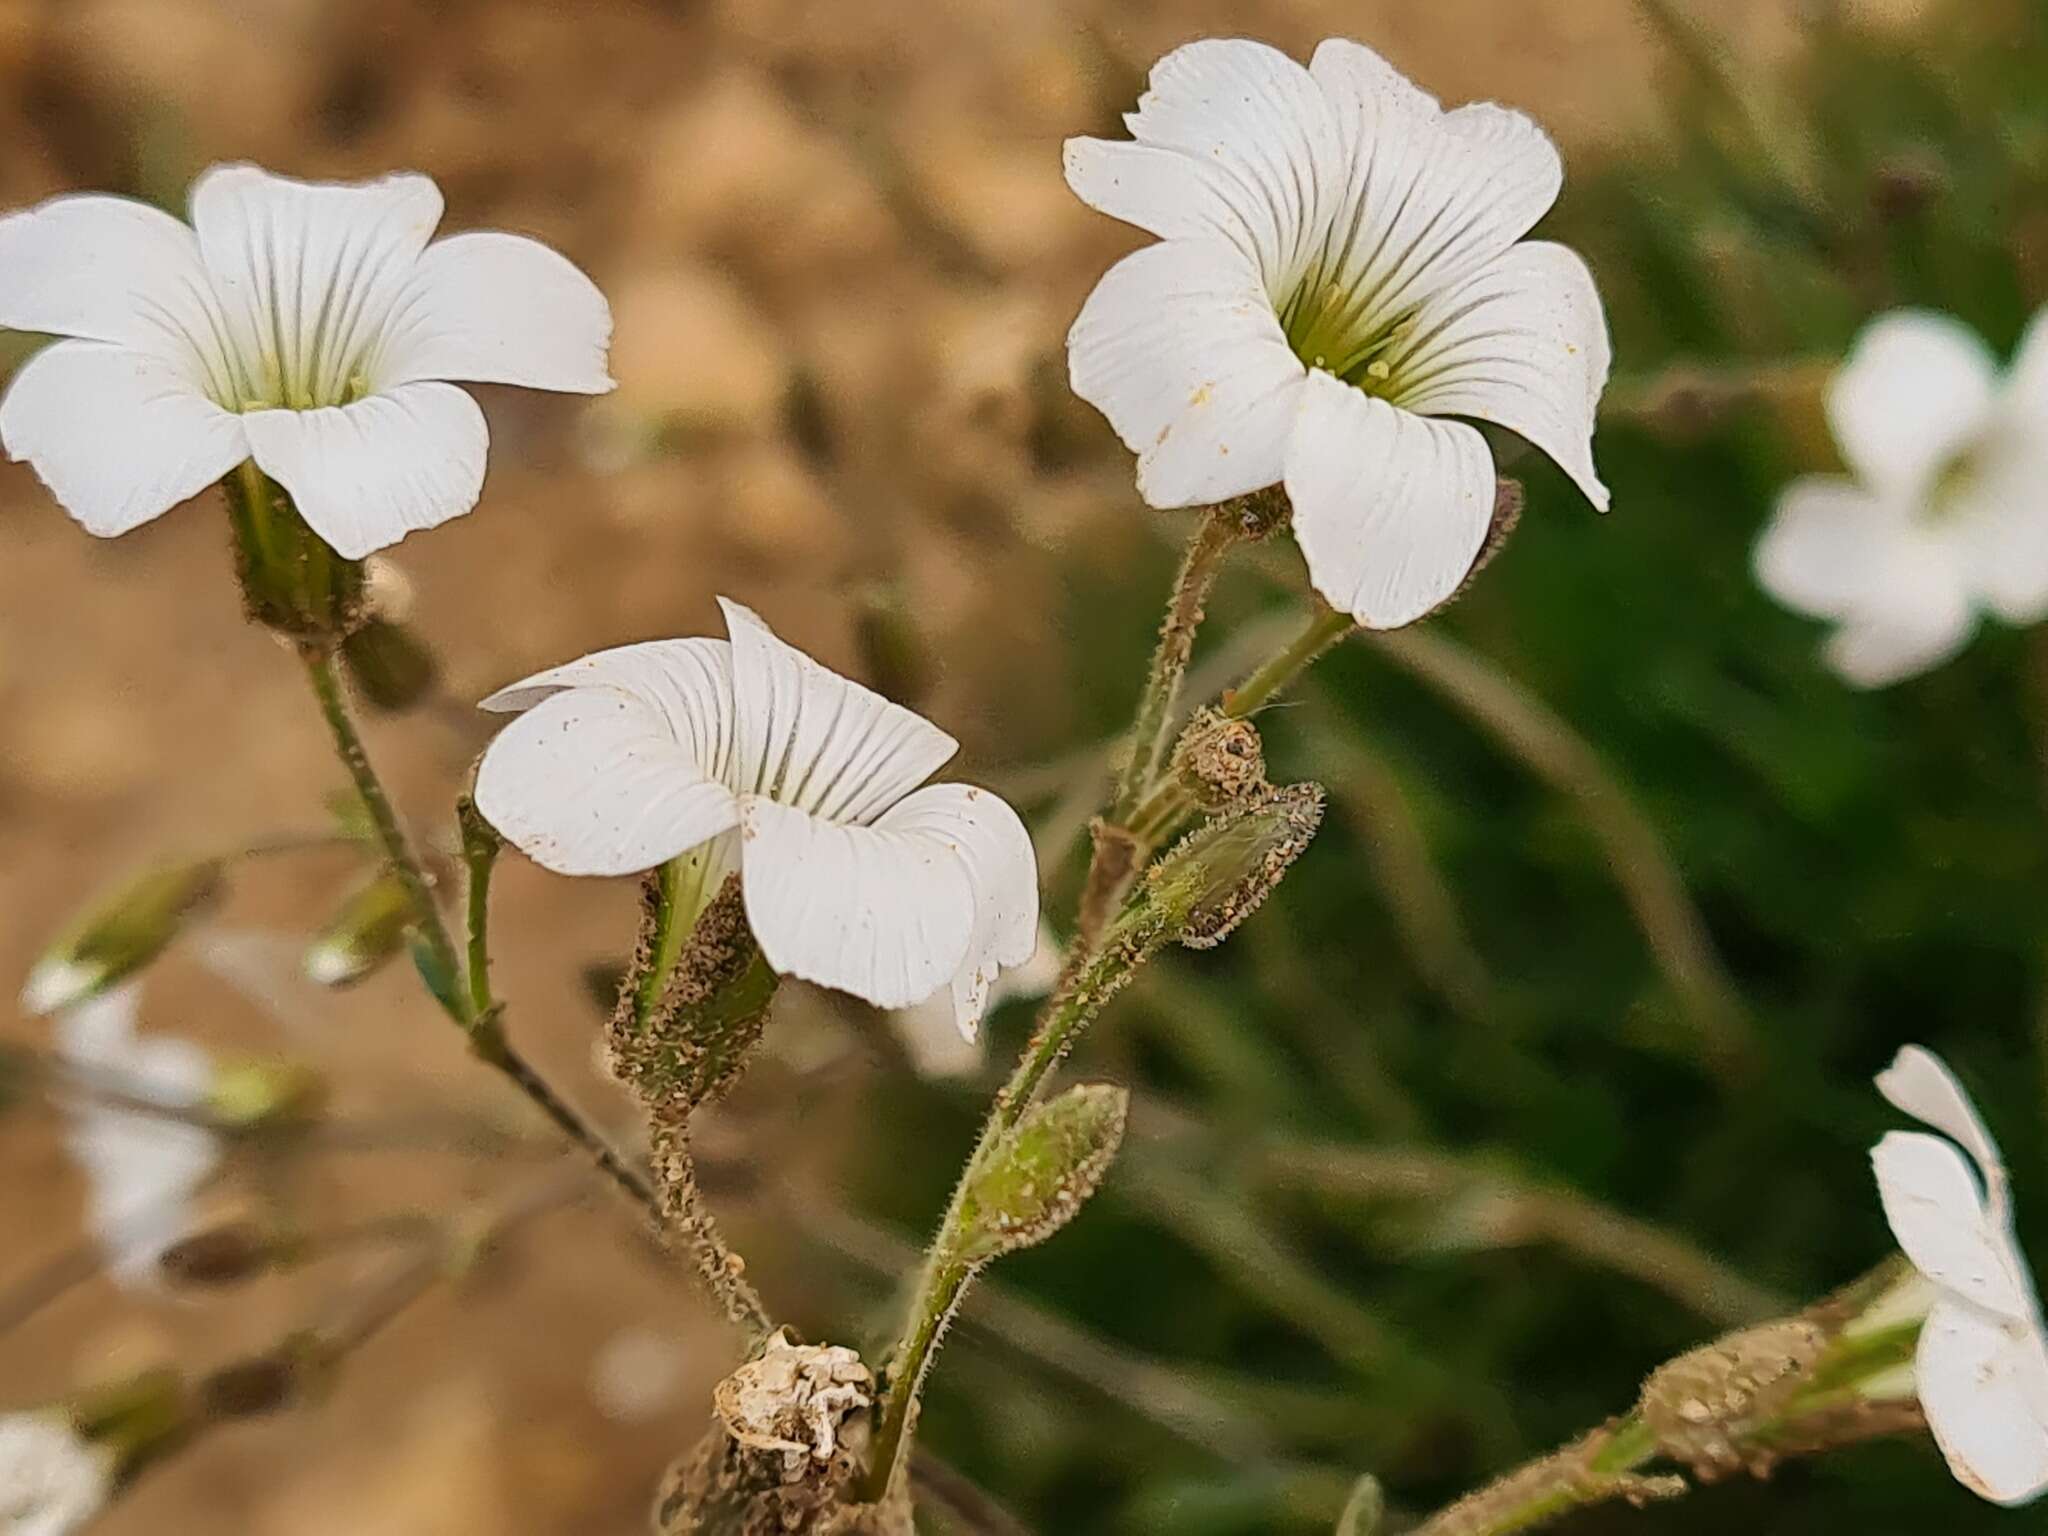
(1982, 1363)
(52, 1482)
(143, 1169)
(804, 782)
(308, 326)
(1340, 268)
(1946, 515)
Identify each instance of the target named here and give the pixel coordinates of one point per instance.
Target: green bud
(122, 934)
(392, 667)
(1041, 1173)
(263, 1095)
(1364, 1510)
(1218, 875)
(292, 581)
(369, 929)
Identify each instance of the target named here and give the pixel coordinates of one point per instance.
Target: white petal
(1828, 548)
(2025, 400)
(118, 436)
(1917, 388)
(1926, 626)
(688, 681)
(1432, 197)
(493, 308)
(1523, 345)
(881, 913)
(1390, 508)
(1179, 347)
(366, 475)
(308, 273)
(1985, 1391)
(1937, 1212)
(1997, 522)
(812, 739)
(53, 1482)
(990, 840)
(109, 269)
(1919, 1083)
(1264, 136)
(596, 781)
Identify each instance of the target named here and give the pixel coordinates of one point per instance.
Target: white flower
(937, 1048)
(309, 326)
(144, 1169)
(1340, 268)
(806, 783)
(1946, 513)
(1982, 1362)
(52, 1482)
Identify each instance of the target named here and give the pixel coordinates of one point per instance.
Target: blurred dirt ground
(842, 260)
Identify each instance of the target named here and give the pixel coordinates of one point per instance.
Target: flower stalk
(292, 580)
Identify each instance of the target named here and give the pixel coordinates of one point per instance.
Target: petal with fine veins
(987, 835)
(1523, 345)
(308, 272)
(1180, 349)
(494, 308)
(1390, 508)
(1917, 390)
(812, 739)
(594, 781)
(688, 681)
(366, 475)
(118, 436)
(883, 913)
(110, 269)
(1268, 141)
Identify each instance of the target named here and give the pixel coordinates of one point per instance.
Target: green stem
(1162, 812)
(1152, 732)
(946, 1276)
(480, 845)
(439, 949)
(671, 932)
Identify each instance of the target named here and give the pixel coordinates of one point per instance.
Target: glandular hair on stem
(1223, 872)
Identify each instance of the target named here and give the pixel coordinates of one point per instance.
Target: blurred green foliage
(1455, 967)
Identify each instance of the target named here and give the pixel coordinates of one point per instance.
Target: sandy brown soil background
(842, 261)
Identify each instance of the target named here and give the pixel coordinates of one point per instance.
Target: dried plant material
(792, 1398)
(1705, 1406)
(1042, 1173)
(1220, 760)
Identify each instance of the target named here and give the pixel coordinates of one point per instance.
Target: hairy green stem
(480, 845)
(1152, 732)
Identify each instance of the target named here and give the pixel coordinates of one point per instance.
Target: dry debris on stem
(785, 1452)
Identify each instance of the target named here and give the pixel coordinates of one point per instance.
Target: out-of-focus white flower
(638, 1375)
(937, 1048)
(1982, 1363)
(52, 1482)
(806, 783)
(143, 1168)
(307, 325)
(1944, 515)
(1340, 270)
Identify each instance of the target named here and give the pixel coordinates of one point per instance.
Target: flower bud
(266, 1095)
(292, 581)
(1218, 875)
(391, 666)
(224, 1255)
(369, 929)
(1041, 1173)
(121, 935)
(1220, 760)
(1364, 1510)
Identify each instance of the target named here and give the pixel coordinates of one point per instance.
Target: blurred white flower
(1982, 1363)
(937, 1048)
(52, 1482)
(307, 325)
(1340, 268)
(143, 1169)
(1944, 515)
(854, 878)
